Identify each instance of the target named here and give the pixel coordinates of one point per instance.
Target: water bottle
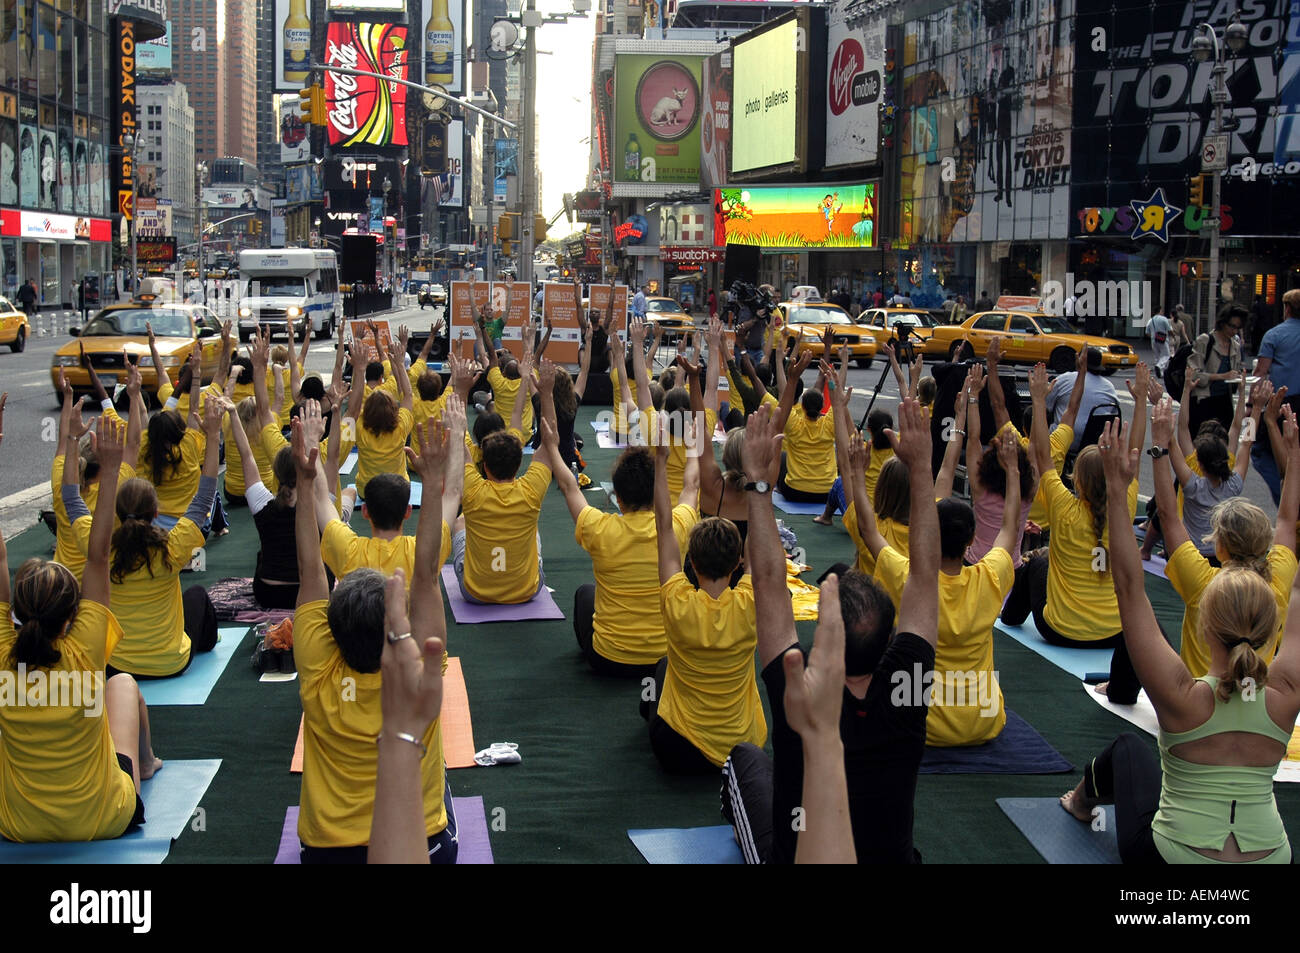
(574, 467)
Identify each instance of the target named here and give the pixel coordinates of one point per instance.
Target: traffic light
(539, 228)
(1196, 191)
(507, 249)
(1189, 268)
(506, 226)
(311, 103)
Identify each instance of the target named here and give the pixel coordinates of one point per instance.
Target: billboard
(292, 45)
(506, 163)
(443, 25)
(685, 225)
(454, 197)
(560, 303)
(363, 111)
(656, 118)
(297, 184)
(855, 60)
(983, 129)
(156, 251)
(239, 198)
(155, 222)
(295, 143)
(715, 125)
(804, 217)
(588, 206)
(766, 95)
(123, 109)
(511, 299)
(156, 55)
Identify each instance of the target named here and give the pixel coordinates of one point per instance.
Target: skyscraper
(215, 56)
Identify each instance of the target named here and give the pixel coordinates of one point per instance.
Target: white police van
(291, 284)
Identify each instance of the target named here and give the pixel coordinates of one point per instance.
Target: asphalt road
(31, 418)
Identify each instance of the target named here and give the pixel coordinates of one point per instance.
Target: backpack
(1176, 372)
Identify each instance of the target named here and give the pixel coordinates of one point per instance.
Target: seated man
(496, 549)
(705, 699)
(809, 460)
(338, 640)
(966, 707)
(883, 717)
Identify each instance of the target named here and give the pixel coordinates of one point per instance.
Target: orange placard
(362, 334)
(598, 304)
(515, 298)
(560, 303)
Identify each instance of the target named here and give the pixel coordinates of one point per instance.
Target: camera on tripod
(747, 297)
(902, 344)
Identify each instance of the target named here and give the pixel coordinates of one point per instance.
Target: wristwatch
(1157, 452)
(760, 486)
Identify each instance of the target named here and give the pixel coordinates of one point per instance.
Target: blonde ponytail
(1239, 610)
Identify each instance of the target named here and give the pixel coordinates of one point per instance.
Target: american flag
(441, 185)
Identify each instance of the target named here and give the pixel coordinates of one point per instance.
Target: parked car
(669, 316)
(14, 329)
(883, 323)
(805, 322)
(1029, 337)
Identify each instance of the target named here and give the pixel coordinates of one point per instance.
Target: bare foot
(1100, 688)
(1078, 806)
(151, 767)
(821, 521)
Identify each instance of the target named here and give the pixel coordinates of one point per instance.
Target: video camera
(902, 344)
(745, 296)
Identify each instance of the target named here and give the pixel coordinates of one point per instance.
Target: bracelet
(403, 736)
(962, 432)
(973, 400)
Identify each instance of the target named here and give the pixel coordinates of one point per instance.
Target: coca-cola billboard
(364, 111)
(854, 61)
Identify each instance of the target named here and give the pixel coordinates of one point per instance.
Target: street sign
(1214, 154)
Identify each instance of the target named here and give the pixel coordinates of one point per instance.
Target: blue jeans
(1266, 467)
(458, 565)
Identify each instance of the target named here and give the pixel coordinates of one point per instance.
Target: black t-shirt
(883, 745)
(278, 560)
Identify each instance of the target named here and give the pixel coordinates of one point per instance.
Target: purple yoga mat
(541, 606)
(474, 846)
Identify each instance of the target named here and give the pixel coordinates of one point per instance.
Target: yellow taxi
(14, 329)
(1027, 338)
(886, 323)
(669, 316)
(117, 334)
(805, 322)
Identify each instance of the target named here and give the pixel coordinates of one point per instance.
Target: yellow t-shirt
(1059, 440)
(810, 451)
(286, 407)
(235, 461)
(878, 459)
(504, 394)
(59, 776)
(967, 706)
(501, 534)
(147, 604)
(341, 719)
(343, 551)
(179, 485)
(625, 556)
(677, 449)
(1081, 602)
(618, 427)
(66, 550)
(710, 695)
(1189, 573)
(475, 452)
(383, 453)
(895, 533)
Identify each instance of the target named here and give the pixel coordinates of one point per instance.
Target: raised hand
(110, 443)
(214, 410)
(313, 421)
(1262, 393)
(403, 335)
(1162, 423)
(410, 695)
(546, 375)
(148, 330)
(912, 440)
(636, 332)
(1038, 382)
(1119, 463)
(304, 454)
(1009, 452)
(802, 362)
(992, 354)
(429, 457)
(760, 453)
(859, 453)
(133, 380)
(1081, 361)
(1275, 402)
(814, 692)
(1140, 386)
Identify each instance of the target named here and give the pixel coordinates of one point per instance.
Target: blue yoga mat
(170, 799)
(1078, 662)
(1018, 750)
(1059, 837)
(799, 509)
(194, 687)
(689, 845)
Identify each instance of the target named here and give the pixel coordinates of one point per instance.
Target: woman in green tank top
(1209, 799)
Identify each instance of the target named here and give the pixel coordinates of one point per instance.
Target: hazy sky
(563, 107)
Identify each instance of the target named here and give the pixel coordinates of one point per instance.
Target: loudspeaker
(357, 259)
(741, 265)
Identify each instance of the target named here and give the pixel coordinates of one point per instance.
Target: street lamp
(1204, 47)
(200, 176)
(316, 243)
(129, 143)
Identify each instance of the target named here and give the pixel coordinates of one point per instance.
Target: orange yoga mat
(457, 729)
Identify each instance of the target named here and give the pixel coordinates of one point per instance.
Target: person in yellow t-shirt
(382, 428)
(808, 463)
(338, 643)
(966, 707)
(162, 627)
(505, 375)
(75, 748)
(617, 619)
(172, 450)
(706, 693)
(889, 511)
(1243, 537)
(1069, 589)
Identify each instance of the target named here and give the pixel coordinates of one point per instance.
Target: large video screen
(764, 99)
(827, 216)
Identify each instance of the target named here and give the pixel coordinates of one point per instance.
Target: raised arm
(1185, 446)
(296, 366)
(1140, 390)
(761, 458)
(195, 368)
(1244, 397)
(312, 585)
(619, 360)
(1288, 507)
(430, 463)
(137, 416)
(840, 393)
(868, 530)
(1040, 445)
(109, 448)
(636, 329)
(259, 354)
(975, 383)
(1009, 456)
(997, 398)
(1161, 671)
(899, 378)
(716, 364)
(584, 365)
(919, 607)
(160, 373)
(670, 558)
(957, 439)
(549, 454)
(1076, 393)
(787, 395)
(1162, 435)
(1249, 432)
(396, 357)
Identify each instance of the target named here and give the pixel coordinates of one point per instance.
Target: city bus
(292, 284)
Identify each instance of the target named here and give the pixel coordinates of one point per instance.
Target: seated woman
(162, 629)
(71, 770)
(1209, 799)
(171, 452)
(382, 427)
(1068, 589)
(808, 463)
(706, 698)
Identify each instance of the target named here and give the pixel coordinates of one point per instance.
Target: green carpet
(587, 774)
